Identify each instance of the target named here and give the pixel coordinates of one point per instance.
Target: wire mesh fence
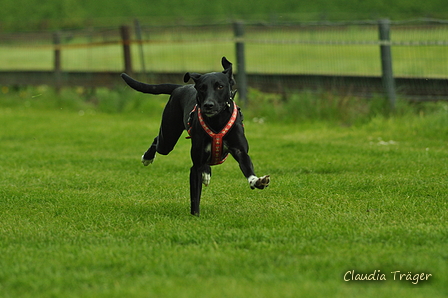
(419, 49)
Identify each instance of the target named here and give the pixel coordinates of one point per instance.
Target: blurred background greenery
(54, 14)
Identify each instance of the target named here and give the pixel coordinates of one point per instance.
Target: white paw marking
(259, 183)
(252, 179)
(147, 162)
(206, 178)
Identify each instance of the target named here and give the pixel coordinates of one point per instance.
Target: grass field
(81, 217)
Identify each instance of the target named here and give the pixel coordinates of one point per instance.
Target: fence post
(386, 61)
(126, 40)
(241, 77)
(57, 60)
(138, 33)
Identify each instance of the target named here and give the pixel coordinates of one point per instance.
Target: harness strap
(190, 120)
(217, 138)
(217, 147)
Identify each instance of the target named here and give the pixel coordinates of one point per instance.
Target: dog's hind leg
(150, 154)
(170, 131)
(171, 127)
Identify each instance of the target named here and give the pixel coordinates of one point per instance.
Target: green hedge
(36, 14)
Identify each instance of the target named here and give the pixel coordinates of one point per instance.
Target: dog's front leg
(200, 172)
(195, 189)
(247, 168)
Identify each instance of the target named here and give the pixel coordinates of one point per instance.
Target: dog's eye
(220, 87)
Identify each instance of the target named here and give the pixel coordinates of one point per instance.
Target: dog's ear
(191, 75)
(227, 65)
(232, 94)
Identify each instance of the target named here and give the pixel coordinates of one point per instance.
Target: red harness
(217, 138)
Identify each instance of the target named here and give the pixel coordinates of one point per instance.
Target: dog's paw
(259, 182)
(147, 162)
(206, 178)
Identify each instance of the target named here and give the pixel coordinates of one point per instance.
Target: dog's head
(214, 90)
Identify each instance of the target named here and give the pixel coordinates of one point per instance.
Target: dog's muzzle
(209, 108)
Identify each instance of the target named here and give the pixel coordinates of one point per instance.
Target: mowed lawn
(81, 217)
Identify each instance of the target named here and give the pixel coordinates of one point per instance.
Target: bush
(301, 107)
(314, 106)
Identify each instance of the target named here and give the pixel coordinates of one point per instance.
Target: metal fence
(278, 57)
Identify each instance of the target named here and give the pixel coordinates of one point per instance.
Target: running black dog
(214, 122)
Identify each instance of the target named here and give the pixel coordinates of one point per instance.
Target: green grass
(81, 217)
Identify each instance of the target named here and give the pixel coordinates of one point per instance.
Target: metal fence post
(57, 60)
(138, 32)
(386, 61)
(126, 40)
(241, 77)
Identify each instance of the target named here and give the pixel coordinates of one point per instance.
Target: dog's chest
(225, 147)
(217, 151)
(216, 147)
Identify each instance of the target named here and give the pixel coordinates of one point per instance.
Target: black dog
(214, 122)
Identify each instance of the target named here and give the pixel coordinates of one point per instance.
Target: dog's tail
(147, 88)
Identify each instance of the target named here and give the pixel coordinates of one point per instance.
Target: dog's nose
(208, 105)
